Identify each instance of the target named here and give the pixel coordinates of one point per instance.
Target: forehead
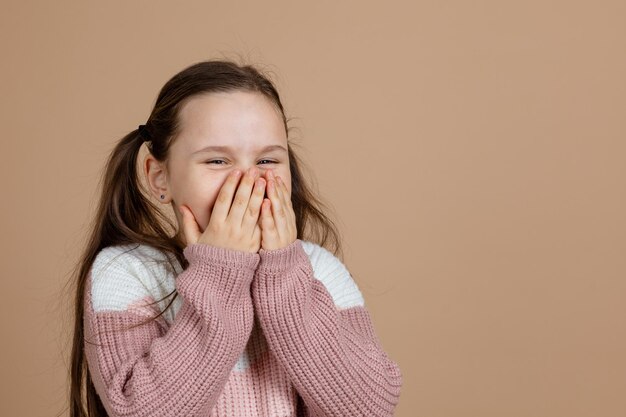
(239, 119)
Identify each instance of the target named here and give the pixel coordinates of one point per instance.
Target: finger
(251, 216)
(225, 197)
(283, 185)
(282, 191)
(281, 207)
(290, 220)
(287, 204)
(277, 203)
(191, 229)
(242, 197)
(257, 233)
(267, 220)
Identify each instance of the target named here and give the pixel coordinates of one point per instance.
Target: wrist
(279, 260)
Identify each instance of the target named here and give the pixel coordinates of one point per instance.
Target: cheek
(201, 196)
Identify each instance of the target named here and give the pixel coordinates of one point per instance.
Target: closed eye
(221, 160)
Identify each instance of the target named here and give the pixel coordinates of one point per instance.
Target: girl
(262, 322)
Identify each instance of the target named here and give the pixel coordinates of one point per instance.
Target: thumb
(190, 226)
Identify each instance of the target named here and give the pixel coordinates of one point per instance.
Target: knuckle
(239, 201)
(222, 197)
(213, 228)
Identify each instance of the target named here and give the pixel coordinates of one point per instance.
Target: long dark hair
(126, 215)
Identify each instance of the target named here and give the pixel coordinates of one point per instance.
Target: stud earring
(162, 196)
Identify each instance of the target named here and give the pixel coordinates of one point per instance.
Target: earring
(162, 196)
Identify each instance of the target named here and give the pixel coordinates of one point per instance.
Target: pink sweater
(275, 333)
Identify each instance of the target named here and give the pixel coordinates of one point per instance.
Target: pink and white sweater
(275, 333)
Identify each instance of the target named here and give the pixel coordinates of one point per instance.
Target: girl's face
(220, 132)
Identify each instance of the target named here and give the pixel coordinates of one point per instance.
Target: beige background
(474, 153)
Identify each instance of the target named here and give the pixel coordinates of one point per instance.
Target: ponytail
(124, 216)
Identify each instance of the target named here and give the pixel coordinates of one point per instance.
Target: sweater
(281, 332)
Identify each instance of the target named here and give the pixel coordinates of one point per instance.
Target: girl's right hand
(232, 227)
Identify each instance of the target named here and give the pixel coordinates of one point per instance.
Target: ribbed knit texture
(274, 333)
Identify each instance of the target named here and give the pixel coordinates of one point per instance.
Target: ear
(156, 174)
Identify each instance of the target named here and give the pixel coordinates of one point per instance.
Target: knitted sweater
(283, 332)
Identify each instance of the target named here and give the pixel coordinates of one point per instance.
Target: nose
(258, 171)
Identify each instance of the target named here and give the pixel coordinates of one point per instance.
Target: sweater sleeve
(332, 355)
(180, 369)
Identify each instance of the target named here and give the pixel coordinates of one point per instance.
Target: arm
(332, 355)
(153, 371)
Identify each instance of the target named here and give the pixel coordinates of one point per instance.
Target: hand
(278, 224)
(232, 227)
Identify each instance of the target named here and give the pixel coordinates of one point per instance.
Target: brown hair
(125, 215)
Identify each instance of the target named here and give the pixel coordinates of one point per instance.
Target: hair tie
(143, 132)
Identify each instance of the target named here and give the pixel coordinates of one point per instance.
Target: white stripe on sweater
(123, 274)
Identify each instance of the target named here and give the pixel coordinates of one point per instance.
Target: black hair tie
(143, 132)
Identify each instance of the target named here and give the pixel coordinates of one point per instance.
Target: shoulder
(328, 269)
(122, 275)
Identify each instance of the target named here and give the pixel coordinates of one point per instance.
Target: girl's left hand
(277, 219)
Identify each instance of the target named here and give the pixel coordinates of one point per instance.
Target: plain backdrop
(473, 152)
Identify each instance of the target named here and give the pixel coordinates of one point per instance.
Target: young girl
(238, 309)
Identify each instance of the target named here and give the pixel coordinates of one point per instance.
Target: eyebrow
(228, 148)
